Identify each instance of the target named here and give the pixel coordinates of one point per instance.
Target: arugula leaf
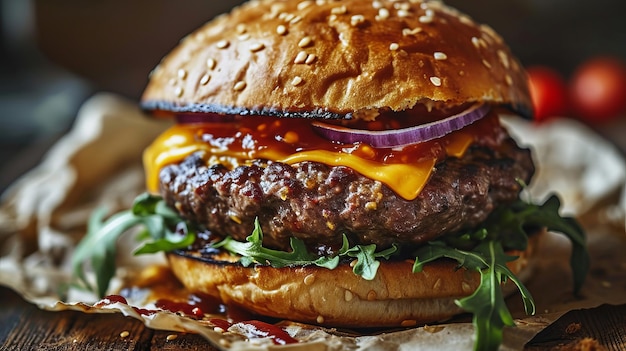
(490, 313)
(252, 251)
(367, 263)
(511, 222)
(162, 232)
(484, 251)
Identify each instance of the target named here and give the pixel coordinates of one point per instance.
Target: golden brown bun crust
(396, 296)
(334, 58)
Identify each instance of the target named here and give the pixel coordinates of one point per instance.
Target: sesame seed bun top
(337, 59)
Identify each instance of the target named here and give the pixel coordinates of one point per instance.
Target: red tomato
(598, 89)
(548, 92)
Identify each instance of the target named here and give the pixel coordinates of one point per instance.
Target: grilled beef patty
(318, 203)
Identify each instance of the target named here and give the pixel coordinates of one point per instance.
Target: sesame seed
(377, 4)
(440, 55)
(309, 279)
(218, 329)
(239, 86)
(489, 32)
(300, 58)
(476, 42)
(256, 47)
(304, 4)
(332, 18)
(172, 81)
(304, 42)
(297, 80)
(182, 74)
(354, 262)
(171, 337)
(429, 13)
(409, 31)
(356, 20)
(436, 81)
(124, 334)
(281, 30)
(403, 13)
(348, 296)
(241, 28)
(222, 44)
(424, 6)
(466, 287)
(210, 63)
(487, 64)
(394, 46)
(504, 59)
(508, 79)
(339, 10)
(466, 20)
(320, 2)
(425, 19)
(437, 284)
(244, 36)
(295, 20)
(320, 319)
(205, 79)
(401, 6)
(383, 14)
(288, 17)
(310, 59)
(178, 91)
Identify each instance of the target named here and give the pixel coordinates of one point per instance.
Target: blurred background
(54, 54)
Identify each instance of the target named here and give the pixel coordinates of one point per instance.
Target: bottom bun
(338, 297)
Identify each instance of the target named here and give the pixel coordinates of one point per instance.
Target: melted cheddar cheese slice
(405, 171)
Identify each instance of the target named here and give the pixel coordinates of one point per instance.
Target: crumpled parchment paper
(98, 164)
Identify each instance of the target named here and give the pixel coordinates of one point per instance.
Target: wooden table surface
(23, 326)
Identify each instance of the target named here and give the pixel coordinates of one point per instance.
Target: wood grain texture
(23, 326)
(600, 328)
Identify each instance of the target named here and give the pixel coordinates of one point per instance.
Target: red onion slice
(404, 136)
(190, 118)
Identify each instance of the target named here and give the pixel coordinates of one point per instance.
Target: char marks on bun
(337, 59)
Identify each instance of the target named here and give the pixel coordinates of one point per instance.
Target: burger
(342, 163)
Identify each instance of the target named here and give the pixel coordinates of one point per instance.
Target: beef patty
(318, 203)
